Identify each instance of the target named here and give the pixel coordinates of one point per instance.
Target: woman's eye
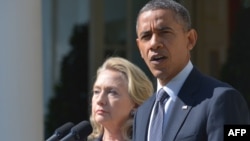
(112, 92)
(96, 91)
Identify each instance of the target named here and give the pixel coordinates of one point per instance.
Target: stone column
(21, 95)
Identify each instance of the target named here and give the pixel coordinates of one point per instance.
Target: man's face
(163, 43)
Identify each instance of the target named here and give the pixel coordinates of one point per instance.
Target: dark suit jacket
(211, 104)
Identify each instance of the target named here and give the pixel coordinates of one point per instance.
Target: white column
(21, 108)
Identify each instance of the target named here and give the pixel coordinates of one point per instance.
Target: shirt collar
(173, 87)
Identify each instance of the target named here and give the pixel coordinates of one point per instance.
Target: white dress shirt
(172, 88)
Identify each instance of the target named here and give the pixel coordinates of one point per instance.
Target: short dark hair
(181, 13)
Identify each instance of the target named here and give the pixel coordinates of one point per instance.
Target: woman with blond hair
(120, 87)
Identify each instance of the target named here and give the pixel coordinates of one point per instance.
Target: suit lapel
(143, 116)
(177, 117)
(182, 106)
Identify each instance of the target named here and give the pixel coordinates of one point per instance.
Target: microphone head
(82, 130)
(63, 130)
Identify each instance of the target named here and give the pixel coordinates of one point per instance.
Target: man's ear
(192, 38)
(138, 45)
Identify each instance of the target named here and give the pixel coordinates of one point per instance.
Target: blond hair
(140, 88)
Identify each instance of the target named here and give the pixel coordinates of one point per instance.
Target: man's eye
(166, 33)
(145, 37)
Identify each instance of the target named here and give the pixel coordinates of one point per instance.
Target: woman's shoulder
(96, 139)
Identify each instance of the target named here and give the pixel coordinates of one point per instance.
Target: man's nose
(155, 42)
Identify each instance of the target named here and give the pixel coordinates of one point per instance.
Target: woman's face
(111, 103)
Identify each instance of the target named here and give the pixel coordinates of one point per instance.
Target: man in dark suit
(198, 106)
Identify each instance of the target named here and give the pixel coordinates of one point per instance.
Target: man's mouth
(157, 58)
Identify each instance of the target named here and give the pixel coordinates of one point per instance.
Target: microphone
(79, 132)
(61, 132)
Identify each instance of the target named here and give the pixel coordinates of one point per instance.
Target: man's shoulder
(209, 80)
(147, 104)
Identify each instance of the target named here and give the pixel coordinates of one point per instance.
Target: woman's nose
(101, 99)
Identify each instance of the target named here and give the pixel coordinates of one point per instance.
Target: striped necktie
(158, 116)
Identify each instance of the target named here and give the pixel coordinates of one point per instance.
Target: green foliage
(236, 70)
(70, 102)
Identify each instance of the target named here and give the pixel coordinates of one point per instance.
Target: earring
(132, 113)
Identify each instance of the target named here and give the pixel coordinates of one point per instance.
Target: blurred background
(50, 50)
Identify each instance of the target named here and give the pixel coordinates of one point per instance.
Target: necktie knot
(162, 95)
